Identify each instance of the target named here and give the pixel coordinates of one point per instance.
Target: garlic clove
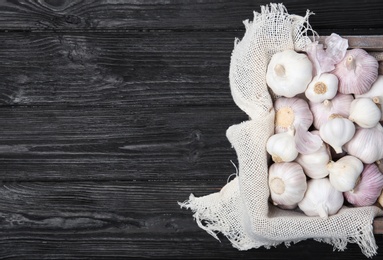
(366, 144)
(336, 132)
(375, 93)
(287, 183)
(368, 188)
(288, 73)
(340, 105)
(356, 72)
(322, 88)
(315, 164)
(321, 199)
(282, 147)
(291, 112)
(306, 142)
(344, 173)
(364, 112)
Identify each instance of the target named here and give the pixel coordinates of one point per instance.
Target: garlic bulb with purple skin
(364, 112)
(287, 183)
(291, 112)
(368, 187)
(366, 144)
(356, 72)
(321, 199)
(340, 105)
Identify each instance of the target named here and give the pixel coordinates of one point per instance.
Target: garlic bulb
(291, 112)
(287, 183)
(356, 72)
(366, 144)
(281, 146)
(315, 164)
(321, 88)
(340, 105)
(345, 172)
(289, 73)
(368, 188)
(364, 112)
(376, 94)
(337, 131)
(321, 199)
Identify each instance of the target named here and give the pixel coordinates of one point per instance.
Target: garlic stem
(376, 100)
(327, 103)
(280, 71)
(350, 63)
(322, 211)
(277, 185)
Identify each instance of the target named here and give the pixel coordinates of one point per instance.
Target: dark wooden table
(112, 111)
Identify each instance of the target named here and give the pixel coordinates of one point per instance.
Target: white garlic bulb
(376, 94)
(356, 72)
(322, 88)
(345, 172)
(368, 188)
(282, 147)
(287, 183)
(315, 164)
(340, 105)
(291, 112)
(289, 73)
(366, 144)
(321, 199)
(337, 131)
(364, 112)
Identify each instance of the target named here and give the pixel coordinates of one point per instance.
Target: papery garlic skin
(364, 112)
(366, 144)
(340, 105)
(315, 164)
(306, 142)
(336, 132)
(376, 94)
(345, 172)
(289, 73)
(281, 147)
(380, 199)
(287, 183)
(356, 72)
(368, 188)
(321, 88)
(291, 112)
(321, 199)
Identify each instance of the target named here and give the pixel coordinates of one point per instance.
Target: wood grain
(52, 143)
(71, 15)
(119, 219)
(140, 69)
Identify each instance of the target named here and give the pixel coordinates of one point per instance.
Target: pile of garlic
(327, 147)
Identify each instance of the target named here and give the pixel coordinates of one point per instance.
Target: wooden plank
(101, 143)
(132, 69)
(120, 219)
(159, 14)
(112, 69)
